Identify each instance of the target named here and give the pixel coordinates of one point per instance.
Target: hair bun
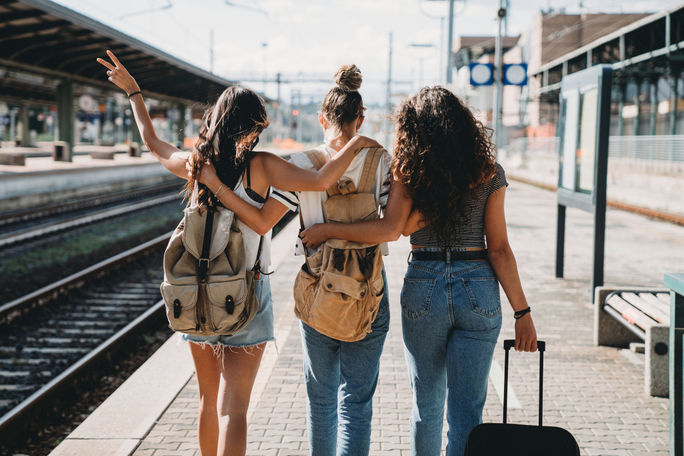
(348, 78)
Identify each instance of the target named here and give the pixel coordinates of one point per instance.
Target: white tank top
(250, 237)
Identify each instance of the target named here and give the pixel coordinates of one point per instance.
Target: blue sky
(312, 38)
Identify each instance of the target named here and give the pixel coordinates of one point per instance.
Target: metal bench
(623, 316)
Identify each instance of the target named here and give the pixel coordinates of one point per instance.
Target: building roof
(563, 33)
(469, 48)
(42, 38)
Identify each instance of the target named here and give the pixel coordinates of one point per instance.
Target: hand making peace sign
(119, 75)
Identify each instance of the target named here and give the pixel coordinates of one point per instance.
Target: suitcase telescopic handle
(541, 346)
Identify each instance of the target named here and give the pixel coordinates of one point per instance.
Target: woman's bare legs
(208, 369)
(240, 367)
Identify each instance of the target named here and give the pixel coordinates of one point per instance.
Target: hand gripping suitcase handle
(541, 346)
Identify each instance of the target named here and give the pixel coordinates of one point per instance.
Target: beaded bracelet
(521, 313)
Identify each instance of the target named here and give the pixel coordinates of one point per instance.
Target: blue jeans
(257, 331)
(451, 318)
(340, 381)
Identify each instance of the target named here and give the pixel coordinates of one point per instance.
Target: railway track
(29, 225)
(14, 221)
(53, 338)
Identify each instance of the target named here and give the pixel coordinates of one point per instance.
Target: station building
(52, 88)
(645, 50)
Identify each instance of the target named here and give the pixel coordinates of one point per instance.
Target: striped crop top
(468, 232)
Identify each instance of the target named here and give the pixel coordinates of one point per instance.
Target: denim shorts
(258, 331)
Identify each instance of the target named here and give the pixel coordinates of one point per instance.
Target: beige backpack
(338, 290)
(207, 288)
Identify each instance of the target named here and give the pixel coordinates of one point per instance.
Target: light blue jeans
(451, 318)
(340, 381)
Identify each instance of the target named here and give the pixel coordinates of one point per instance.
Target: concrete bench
(12, 158)
(623, 316)
(102, 154)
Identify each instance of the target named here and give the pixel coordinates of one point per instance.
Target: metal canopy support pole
(637, 104)
(65, 115)
(621, 106)
(25, 131)
(673, 100)
(653, 89)
(135, 133)
(560, 241)
(450, 43)
(180, 127)
(498, 76)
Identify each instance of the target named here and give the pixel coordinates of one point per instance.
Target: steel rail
(14, 217)
(12, 309)
(54, 228)
(14, 422)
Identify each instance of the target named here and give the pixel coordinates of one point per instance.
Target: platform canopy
(43, 43)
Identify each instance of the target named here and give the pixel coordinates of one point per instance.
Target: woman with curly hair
(448, 194)
(223, 168)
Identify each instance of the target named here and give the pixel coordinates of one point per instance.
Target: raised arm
(171, 157)
(259, 219)
(503, 262)
(287, 176)
(386, 229)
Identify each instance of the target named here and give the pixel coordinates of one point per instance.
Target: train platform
(43, 181)
(45, 164)
(597, 393)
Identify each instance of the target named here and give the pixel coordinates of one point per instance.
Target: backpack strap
(317, 158)
(370, 170)
(203, 262)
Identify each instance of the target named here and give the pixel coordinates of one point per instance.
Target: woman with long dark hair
(445, 171)
(224, 156)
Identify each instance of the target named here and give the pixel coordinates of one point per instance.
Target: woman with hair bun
(224, 162)
(448, 195)
(340, 376)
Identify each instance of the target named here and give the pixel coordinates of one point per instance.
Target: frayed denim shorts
(258, 331)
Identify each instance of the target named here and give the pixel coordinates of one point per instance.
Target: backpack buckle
(346, 186)
(202, 267)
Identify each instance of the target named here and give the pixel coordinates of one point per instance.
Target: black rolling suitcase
(492, 439)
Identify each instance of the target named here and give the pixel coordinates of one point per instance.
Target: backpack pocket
(340, 307)
(181, 306)
(226, 306)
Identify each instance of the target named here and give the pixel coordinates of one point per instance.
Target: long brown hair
(229, 131)
(443, 153)
(343, 103)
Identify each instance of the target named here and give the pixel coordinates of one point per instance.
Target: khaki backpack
(207, 288)
(339, 288)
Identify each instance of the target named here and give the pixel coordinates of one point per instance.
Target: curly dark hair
(230, 129)
(443, 153)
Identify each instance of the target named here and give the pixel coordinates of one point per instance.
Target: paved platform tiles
(595, 392)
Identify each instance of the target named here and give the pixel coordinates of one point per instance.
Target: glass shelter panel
(586, 151)
(569, 139)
